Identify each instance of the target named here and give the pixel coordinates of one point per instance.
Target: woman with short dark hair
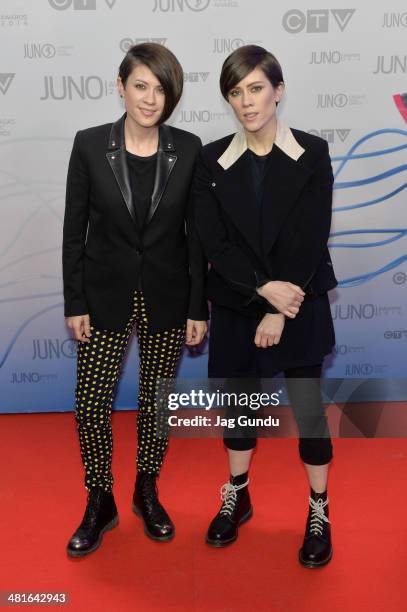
(263, 200)
(130, 259)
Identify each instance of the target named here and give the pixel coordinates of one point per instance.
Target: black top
(142, 175)
(259, 163)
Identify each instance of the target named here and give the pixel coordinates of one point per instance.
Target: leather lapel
(116, 156)
(166, 159)
(235, 190)
(283, 182)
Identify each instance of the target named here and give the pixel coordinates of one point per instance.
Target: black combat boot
(100, 516)
(316, 550)
(157, 523)
(236, 509)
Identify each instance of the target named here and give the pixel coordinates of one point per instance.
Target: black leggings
(233, 355)
(315, 446)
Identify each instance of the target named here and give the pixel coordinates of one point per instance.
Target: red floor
(43, 501)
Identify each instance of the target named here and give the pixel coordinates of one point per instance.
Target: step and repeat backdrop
(346, 80)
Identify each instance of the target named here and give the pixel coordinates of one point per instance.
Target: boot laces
(318, 515)
(229, 497)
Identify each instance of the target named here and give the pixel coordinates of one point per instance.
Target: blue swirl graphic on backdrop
(20, 329)
(397, 233)
(41, 194)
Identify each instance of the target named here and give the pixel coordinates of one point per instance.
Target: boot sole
(166, 538)
(223, 543)
(83, 553)
(313, 564)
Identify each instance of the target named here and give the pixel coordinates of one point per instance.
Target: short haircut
(243, 61)
(163, 64)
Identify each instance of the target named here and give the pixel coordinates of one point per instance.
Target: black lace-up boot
(157, 523)
(100, 516)
(316, 550)
(236, 509)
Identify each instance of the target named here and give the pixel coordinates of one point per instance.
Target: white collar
(284, 140)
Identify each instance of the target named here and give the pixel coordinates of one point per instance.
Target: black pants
(98, 371)
(233, 354)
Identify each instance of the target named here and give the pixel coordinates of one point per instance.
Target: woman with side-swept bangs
(263, 200)
(130, 259)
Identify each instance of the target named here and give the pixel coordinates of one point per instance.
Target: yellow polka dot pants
(98, 370)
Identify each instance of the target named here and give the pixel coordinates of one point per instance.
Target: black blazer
(290, 242)
(104, 253)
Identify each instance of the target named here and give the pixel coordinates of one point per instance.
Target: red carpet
(42, 502)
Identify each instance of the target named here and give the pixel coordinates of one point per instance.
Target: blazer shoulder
(314, 143)
(185, 138)
(214, 149)
(95, 136)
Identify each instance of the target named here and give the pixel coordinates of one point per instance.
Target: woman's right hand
(284, 296)
(80, 326)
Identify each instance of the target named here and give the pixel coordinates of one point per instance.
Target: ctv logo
(315, 21)
(78, 5)
(331, 135)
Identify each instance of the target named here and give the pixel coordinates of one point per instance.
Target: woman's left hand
(196, 331)
(269, 330)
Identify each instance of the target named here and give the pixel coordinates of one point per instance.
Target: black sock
(315, 496)
(240, 479)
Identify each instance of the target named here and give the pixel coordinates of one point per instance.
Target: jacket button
(213, 184)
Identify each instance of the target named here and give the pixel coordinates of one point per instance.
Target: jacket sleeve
(227, 259)
(310, 232)
(74, 231)
(198, 267)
